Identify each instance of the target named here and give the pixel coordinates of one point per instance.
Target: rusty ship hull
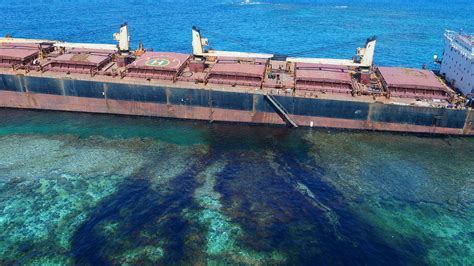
(21, 91)
(228, 86)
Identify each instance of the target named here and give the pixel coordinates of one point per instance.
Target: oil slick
(223, 234)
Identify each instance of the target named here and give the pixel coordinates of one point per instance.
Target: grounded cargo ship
(237, 87)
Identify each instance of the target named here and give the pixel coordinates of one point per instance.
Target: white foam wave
(250, 2)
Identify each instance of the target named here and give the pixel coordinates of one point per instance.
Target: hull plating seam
(80, 104)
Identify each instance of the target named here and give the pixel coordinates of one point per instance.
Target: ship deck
(245, 75)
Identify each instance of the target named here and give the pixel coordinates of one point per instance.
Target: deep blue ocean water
(114, 190)
(409, 32)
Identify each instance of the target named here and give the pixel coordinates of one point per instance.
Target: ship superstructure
(227, 86)
(457, 65)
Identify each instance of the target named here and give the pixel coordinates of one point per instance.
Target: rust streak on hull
(467, 129)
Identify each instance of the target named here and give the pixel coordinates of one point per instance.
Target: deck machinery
(227, 86)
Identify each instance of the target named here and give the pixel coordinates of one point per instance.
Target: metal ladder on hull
(281, 111)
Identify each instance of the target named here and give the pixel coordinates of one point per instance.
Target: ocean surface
(116, 190)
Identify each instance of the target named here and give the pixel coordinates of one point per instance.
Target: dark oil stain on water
(101, 189)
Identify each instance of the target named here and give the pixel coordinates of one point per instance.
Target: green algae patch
(223, 235)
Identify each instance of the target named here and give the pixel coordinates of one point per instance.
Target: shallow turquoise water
(96, 189)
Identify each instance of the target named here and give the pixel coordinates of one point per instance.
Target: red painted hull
(91, 105)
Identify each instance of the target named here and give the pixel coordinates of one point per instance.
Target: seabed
(88, 189)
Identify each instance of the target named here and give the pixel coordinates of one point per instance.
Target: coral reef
(92, 189)
(407, 188)
(223, 235)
